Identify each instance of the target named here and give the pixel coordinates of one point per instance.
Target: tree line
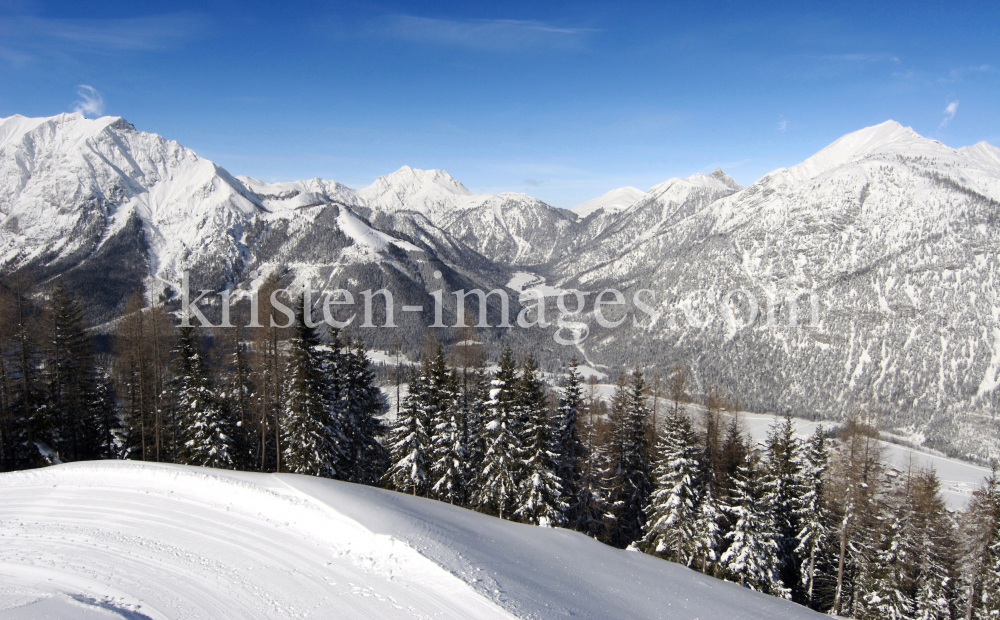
(825, 522)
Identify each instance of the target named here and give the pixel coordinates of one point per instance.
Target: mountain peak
(726, 179)
(615, 201)
(407, 178)
(887, 136)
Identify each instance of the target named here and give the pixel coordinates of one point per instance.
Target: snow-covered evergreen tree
(633, 483)
(360, 404)
(206, 435)
(707, 532)
(882, 592)
(674, 504)
(752, 556)
(567, 442)
(540, 498)
(783, 494)
(448, 448)
(309, 432)
(475, 392)
(504, 457)
(981, 552)
(410, 440)
(932, 549)
(813, 515)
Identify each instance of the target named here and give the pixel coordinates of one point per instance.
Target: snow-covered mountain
(895, 236)
(611, 203)
(127, 539)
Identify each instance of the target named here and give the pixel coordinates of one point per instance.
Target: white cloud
(91, 102)
(949, 113)
(484, 34)
(782, 123)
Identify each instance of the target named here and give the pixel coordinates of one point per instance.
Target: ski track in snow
(117, 539)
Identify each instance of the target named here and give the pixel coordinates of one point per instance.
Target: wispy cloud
(506, 35)
(91, 103)
(861, 57)
(949, 113)
(957, 75)
(532, 182)
(27, 37)
(782, 123)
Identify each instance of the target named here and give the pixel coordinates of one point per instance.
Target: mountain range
(883, 246)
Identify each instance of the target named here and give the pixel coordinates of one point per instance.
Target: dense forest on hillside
(824, 522)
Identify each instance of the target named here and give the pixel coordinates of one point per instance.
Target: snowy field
(117, 539)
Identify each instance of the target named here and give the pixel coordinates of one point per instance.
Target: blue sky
(564, 100)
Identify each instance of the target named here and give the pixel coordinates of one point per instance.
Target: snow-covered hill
(140, 540)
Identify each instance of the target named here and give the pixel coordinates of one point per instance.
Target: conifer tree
(882, 592)
(594, 515)
(812, 512)
(752, 556)
(674, 505)
(360, 403)
(540, 494)
(206, 436)
(72, 391)
(981, 551)
(475, 391)
(705, 544)
(933, 559)
(783, 492)
(410, 440)
(309, 433)
(503, 460)
(633, 483)
(567, 445)
(448, 452)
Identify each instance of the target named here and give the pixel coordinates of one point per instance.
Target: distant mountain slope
(896, 236)
(143, 540)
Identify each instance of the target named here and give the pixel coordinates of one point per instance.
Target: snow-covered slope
(140, 540)
(615, 201)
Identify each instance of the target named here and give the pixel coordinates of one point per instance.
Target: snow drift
(139, 540)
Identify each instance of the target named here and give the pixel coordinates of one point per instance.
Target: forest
(824, 521)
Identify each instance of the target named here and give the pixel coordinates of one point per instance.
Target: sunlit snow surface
(138, 540)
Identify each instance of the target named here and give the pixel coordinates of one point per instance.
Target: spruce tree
(309, 433)
(981, 551)
(633, 471)
(473, 411)
(206, 436)
(783, 492)
(361, 404)
(448, 448)
(72, 381)
(498, 486)
(567, 444)
(410, 442)
(540, 494)
(674, 505)
(813, 515)
(752, 556)
(933, 559)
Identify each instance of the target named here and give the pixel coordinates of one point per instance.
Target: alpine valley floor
(118, 539)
